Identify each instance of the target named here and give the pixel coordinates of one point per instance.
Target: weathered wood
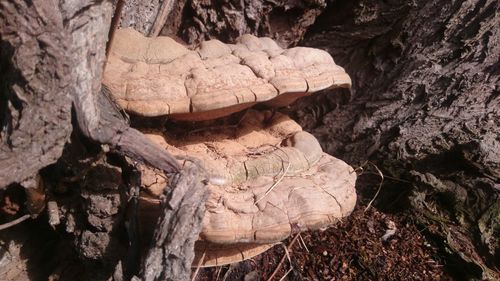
(111, 128)
(171, 254)
(100, 120)
(52, 58)
(286, 21)
(35, 82)
(141, 15)
(147, 17)
(425, 108)
(162, 17)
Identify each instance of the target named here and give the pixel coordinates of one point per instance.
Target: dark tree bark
(171, 254)
(426, 108)
(195, 21)
(52, 58)
(285, 21)
(35, 89)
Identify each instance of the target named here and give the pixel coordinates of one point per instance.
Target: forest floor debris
(353, 250)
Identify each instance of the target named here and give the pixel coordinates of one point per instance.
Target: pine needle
(198, 266)
(379, 186)
(274, 184)
(287, 255)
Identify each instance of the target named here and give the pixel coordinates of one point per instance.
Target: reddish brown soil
(353, 250)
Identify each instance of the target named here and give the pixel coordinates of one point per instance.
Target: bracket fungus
(158, 76)
(268, 177)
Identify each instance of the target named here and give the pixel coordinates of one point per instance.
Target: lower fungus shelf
(273, 180)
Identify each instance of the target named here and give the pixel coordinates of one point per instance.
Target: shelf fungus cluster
(269, 179)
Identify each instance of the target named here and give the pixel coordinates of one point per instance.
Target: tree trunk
(36, 88)
(286, 21)
(424, 106)
(52, 57)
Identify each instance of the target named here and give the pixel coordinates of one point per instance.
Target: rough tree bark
(52, 57)
(171, 254)
(35, 88)
(424, 106)
(195, 21)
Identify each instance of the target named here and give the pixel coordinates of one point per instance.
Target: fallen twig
(286, 255)
(162, 17)
(114, 24)
(303, 243)
(286, 274)
(14, 222)
(274, 184)
(390, 231)
(198, 266)
(379, 187)
(285, 171)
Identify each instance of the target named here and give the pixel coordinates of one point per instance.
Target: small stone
(53, 213)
